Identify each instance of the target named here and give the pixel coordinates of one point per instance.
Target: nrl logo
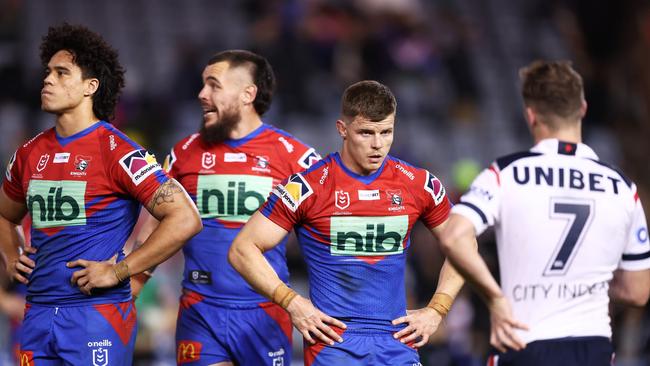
(341, 199)
(208, 160)
(42, 162)
(100, 357)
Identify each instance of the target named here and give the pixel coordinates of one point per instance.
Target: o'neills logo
(407, 173)
(102, 343)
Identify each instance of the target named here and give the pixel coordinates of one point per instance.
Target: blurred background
(452, 65)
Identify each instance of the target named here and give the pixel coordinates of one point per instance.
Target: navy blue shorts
(573, 351)
(207, 334)
(99, 335)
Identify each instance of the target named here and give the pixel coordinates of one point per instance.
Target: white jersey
(564, 223)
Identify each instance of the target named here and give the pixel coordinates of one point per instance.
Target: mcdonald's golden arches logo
(188, 351)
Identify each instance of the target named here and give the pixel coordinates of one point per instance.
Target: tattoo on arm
(165, 194)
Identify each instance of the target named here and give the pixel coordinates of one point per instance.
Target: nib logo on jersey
(231, 197)
(56, 203)
(368, 235)
(139, 164)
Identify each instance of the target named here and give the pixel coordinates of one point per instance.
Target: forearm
(251, 264)
(9, 242)
(165, 240)
(458, 242)
(449, 281)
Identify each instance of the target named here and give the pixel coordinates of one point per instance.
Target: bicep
(168, 199)
(261, 231)
(456, 227)
(11, 210)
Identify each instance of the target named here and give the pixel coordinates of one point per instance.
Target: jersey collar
(238, 142)
(66, 140)
(365, 179)
(557, 147)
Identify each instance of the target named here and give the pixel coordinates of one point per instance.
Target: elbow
(235, 255)
(190, 223)
(633, 297)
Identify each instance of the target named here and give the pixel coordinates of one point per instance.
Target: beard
(220, 130)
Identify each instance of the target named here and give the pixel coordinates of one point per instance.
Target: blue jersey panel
(208, 272)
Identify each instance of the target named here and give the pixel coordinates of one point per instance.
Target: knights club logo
(395, 197)
(42, 162)
(262, 162)
(208, 160)
(341, 199)
(81, 162)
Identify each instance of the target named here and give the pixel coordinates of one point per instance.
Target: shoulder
(614, 169)
(115, 140)
(34, 142)
(187, 143)
(418, 178)
(504, 161)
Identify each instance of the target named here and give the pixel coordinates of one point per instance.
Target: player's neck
(349, 162)
(71, 122)
(571, 134)
(248, 124)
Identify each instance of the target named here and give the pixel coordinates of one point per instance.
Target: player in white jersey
(566, 225)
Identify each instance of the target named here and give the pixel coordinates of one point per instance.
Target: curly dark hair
(95, 57)
(261, 72)
(368, 98)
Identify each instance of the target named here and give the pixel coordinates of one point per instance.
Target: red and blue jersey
(83, 193)
(229, 182)
(354, 233)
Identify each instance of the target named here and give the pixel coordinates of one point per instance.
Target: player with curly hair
(83, 183)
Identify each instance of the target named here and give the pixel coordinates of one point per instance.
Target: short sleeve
(285, 205)
(12, 184)
(137, 174)
(438, 205)
(481, 203)
(168, 165)
(636, 255)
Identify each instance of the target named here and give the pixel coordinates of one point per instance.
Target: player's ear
(583, 109)
(91, 86)
(249, 93)
(531, 117)
(341, 127)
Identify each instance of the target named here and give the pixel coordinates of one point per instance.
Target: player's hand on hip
(94, 275)
(313, 323)
(503, 324)
(23, 266)
(419, 323)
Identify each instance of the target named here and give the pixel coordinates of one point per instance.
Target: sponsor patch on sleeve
(294, 192)
(139, 164)
(309, 158)
(9, 166)
(434, 186)
(169, 161)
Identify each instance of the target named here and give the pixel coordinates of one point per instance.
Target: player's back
(563, 221)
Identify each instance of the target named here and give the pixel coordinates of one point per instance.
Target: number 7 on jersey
(577, 213)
